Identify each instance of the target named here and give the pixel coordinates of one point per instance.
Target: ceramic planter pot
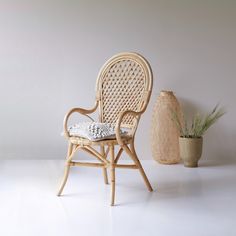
(190, 150)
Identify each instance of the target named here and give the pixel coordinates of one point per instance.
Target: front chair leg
(104, 168)
(112, 175)
(67, 169)
(137, 162)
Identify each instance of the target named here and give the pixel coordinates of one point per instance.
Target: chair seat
(91, 132)
(86, 142)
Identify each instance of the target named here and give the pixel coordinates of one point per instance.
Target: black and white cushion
(95, 131)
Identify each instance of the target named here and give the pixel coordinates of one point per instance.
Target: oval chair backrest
(123, 83)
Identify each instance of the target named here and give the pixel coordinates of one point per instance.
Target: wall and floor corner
(48, 49)
(50, 54)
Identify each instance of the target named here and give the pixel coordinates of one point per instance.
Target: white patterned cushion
(95, 131)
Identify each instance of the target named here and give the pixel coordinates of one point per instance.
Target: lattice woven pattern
(123, 86)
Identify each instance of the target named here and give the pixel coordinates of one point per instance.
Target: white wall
(51, 52)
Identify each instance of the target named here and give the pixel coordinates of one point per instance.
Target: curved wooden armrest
(82, 111)
(119, 121)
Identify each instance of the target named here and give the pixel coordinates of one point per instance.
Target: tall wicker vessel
(164, 134)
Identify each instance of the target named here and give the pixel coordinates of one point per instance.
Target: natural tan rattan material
(123, 90)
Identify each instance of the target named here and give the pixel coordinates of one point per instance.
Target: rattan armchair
(123, 90)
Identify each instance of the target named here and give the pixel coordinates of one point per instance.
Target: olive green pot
(190, 150)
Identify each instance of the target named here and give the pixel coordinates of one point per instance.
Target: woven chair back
(124, 83)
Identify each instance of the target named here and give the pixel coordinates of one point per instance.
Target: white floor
(200, 201)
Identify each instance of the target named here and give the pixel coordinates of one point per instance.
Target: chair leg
(137, 162)
(104, 169)
(67, 169)
(112, 175)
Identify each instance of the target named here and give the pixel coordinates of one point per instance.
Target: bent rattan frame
(123, 90)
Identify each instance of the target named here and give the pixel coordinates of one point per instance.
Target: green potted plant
(191, 133)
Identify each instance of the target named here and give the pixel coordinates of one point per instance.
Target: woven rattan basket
(165, 135)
